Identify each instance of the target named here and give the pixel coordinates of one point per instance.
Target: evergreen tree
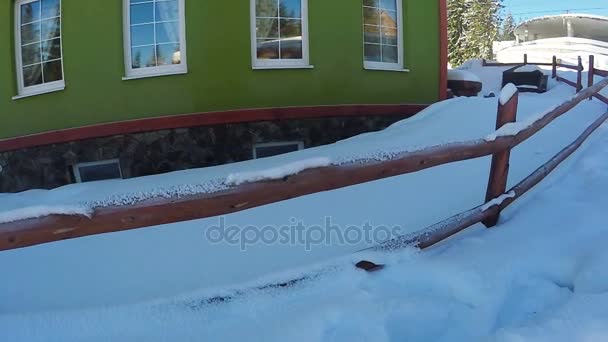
(473, 26)
(508, 28)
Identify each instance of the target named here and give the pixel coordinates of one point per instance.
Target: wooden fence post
(591, 73)
(554, 73)
(499, 172)
(579, 76)
(525, 59)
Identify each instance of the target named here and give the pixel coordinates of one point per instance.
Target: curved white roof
(565, 25)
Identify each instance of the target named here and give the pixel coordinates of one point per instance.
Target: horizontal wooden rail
(164, 211)
(440, 231)
(601, 98)
(571, 67)
(568, 82)
(602, 73)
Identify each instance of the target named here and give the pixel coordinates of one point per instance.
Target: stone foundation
(164, 151)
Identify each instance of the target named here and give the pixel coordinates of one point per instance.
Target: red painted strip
(204, 119)
(443, 49)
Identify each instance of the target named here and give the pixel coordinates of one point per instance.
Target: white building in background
(566, 36)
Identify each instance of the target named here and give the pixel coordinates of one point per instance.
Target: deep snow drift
(539, 276)
(151, 284)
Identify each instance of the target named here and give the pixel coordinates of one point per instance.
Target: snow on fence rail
(249, 195)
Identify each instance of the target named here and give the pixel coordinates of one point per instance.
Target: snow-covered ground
(538, 275)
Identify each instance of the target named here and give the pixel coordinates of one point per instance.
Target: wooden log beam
(438, 232)
(568, 82)
(554, 67)
(579, 75)
(164, 211)
(499, 171)
(591, 73)
(602, 73)
(601, 98)
(543, 171)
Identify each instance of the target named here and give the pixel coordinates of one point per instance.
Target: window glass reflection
(40, 31)
(380, 31)
(155, 33)
(279, 29)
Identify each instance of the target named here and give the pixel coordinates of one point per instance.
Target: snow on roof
(562, 16)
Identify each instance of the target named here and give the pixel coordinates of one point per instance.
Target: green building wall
(219, 76)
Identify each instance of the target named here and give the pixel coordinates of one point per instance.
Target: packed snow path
(539, 276)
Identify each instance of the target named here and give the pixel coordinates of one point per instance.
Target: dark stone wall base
(143, 154)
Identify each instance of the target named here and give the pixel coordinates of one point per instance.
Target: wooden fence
(164, 211)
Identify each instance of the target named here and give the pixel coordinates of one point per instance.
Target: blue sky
(521, 8)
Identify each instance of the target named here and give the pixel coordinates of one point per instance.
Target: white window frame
(76, 168)
(43, 88)
(163, 70)
(400, 65)
(257, 63)
(300, 145)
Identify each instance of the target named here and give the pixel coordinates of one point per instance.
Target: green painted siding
(219, 63)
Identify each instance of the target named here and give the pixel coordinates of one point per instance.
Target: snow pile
(40, 211)
(462, 75)
(539, 276)
(528, 68)
(514, 128)
(499, 200)
(507, 93)
(277, 172)
(131, 267)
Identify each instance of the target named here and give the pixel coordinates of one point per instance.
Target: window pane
(167, 32)
(389, 18)
(30, 54)
(371, 34)
(142, 35)
(372, 52)
(50, 8)
(371, 16)
(389, 36)
(32, 75)
(52, 71)
(372, 3)
(50, 28)
(267, 28)
(389, 54)
(389, 4)
(51, 49)
(266, 8)
(167, 10)
(168, 54)
(30, 33)
(290, 8)
(30, 12)
(143, 57)
(291, 28)
(142, 13)
(291, 49)
(268, 49)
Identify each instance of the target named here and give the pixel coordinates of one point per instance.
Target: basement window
(276, 148)
(96, 171)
